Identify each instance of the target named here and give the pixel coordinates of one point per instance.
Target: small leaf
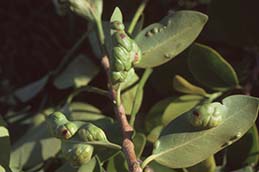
(77, 74)
(5, 145)
(182, 85)
(160, 42)
(245, 151)
(155, 133)
(209, 68)
(28, 92)
(182, 145)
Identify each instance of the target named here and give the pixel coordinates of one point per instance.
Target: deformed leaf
(182, 145)
(77, 74)
(26, 93)
(182, 85)
(211, 69)
(160, 42)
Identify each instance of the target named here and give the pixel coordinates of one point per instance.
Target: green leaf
(84, 112)
(168, 109)
(117, 164)
(182, 85)
(245, 151)
(5, 145)
(33, 148)
(179, 106)
(160, 42)
(155, 133)
(129, 90)
(182, 145)
(28, 92)
(207, 165)
(209, 68)
(91, 166)
(139, 141)
(77, 74)
(137, 101)
(157, 167)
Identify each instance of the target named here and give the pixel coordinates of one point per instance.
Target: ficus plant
(202, 127)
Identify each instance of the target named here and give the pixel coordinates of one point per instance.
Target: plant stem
(88, 89)
(126, 129)
(137, 15)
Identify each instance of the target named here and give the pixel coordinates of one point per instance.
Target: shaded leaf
(211, 69)
(182, 145)
(245, 151)
(155, 133)
(160, 42)
(28, 92)
(117, 164)
(77, 74)
(158, 167)
(139, 141)
(168, 109)
(5, 145)
(182, 85)
(207, 165)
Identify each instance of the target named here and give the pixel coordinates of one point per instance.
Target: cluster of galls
(125, 54)
(74, 137)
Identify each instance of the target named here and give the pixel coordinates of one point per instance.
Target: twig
(126, 129)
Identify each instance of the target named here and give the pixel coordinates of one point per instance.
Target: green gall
(206, 116)
(90, 132)
(77, 154)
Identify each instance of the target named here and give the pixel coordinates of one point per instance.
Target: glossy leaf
(245, 151)
(182, 85)
(211, 69)
(182, 145)
(28, 92)
(160, 42)
(77, 74)
(5, 145)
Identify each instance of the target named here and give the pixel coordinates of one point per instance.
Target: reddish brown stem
(126, 129)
